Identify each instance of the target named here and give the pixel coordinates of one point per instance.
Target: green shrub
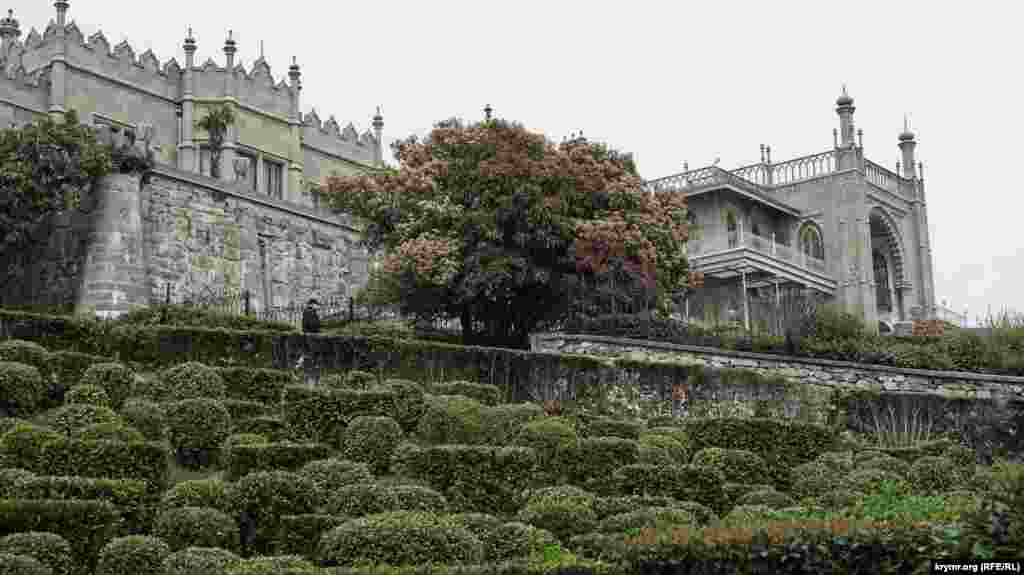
(649, 517)
(813, 479)
(49, 549)
(964, 457)
(398, 538)
(12, 564)
(72, 418)
(769, 498)
(263, 497)
(828, 322)
(703, 514)
(887, 463)
(114, 378)
(70, 366)
(372, 440)
(917, 356)
(272, 427)
(368, 499)
(737, 465)
(485, 393)
(146, 416)
(246, 459)
(133, 555)
(967, 350)
(677, 433)
(22, 388)
(356, 379)
(333, 381)
(502, 422)
(85, 525)
(409, 402)
(125, 493)
(182, 527)
(683, 482)
(209, 493)
(26, 352)
(237, 439)
(11, 476)
(598, 457)
(22, 446)
(321, 415)
(87, 393)
(199, 561)
(600, 546)
(564, 517)
(116, 431)
(197, 424)
(995, 528)
(746, 515)
(615, 505)
(842, 462)
(554, 440)
(111, 459)
(274, 565)
(515, 540)
(661, 450)
(871, 481)
(300, 534)
(934, 475)
(242, 411)
(451, 420)
(265, 386)
(609, 427)
(839, 499)
(191, 380)
(330, 475)
(734, 491)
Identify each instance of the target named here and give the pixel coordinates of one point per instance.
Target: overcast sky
(667, 80)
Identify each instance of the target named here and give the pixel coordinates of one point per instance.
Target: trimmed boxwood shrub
(838, 499)
(451, 419)
(485, 393)
(554, 440)
(22, 389)
(737, 465)
(70, 366)
(367, 499)
(246, 459)
(330, 475)
(649, 517)
(609, 427)
(116, 431)
(9, 477)
(321, 415)
(146, 416)
(272, 427)
(769, 498)
(260, 499)
(132, 555)
(661, 450)
(114, 378)
(930, 475)
(196, 427)
(255, 384)
(842, 462)
(389, 537)
(372, 440)
(212, 493)
(869, 481)
(357, 379)
(13, 564)
(273, 565)
(26, 352)
(684, 482)
(701, 513)
(69, 419)
(114, 459)
(600, 546)
(746, 515)
(564, 511)
(813, 479)
(887, 463)
(86, 525)
(87, 393)
(608, 506)
(242, 411)
(199, 561)
(190, 380)
(300, 534)
(734, 491)
(8, 423)
(182, 527)
(409, 402)
(515, 540)
(598, 457)
(49, 549)
(502, 422)
(677, 433)
(22, 446)
(125, 493)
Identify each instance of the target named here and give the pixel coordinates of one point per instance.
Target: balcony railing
(704, 178)
(881, 177)
(766, 245)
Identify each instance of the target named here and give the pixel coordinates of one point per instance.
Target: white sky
(668, 81)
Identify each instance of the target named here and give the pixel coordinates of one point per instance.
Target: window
(882, 293)
(693, 226)
(810, 242)
(273, 179)
(731, 228)
(204, 160)
(250, 173)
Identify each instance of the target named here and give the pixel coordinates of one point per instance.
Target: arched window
(882, 293)
(810, 242)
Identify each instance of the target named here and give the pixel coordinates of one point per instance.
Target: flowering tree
(497, 226)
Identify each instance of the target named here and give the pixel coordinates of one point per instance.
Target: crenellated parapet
(254, 88)
(331, 138)
(24, 89)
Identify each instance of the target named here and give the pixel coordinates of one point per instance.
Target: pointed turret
(844, 107)
(907, 145)
(9, 33)
(378, 133)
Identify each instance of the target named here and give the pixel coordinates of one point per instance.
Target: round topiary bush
(117, 431)
(734, 491)
(26, 352)
(199, 561)
(87, 393)
(661, 449)
(22, 446)
(451, 420)
(555, 441)
(368, 499)
(737, 465)
(515, 540)
(839, 499)
(11, 564)
(929, 475)
(196, 429)
(372, 440)
(614, 505)
(73, 418)
(236, 439)
(191, 380)
(132, 555)
(260, 499)
(9, 477)
(869, 481)
(330, 475)
(886, 463)
(357, 379)
(333, 381)
(964, 457)
(209, 493)
(114, 378)
(502, 422)
(649, 517)
(485, 393)
(862, 456)
(842, 462)
(146, 416)
(564, 511)
(769, 498)
(273, 565)
(813, 479)
(746, 515)
(22, 389)
(610, 427)
(183, 527)
(409, 402)
(388, 537)
(50, 549)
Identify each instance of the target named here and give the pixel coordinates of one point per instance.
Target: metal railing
(766, 245)
(790, 171)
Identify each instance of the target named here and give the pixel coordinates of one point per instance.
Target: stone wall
(811, 372)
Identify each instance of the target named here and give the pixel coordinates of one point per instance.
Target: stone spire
(229, 52)
(844, 107)
(9, 32)
(62, 11)
(190, 50)
(378, 132)
(296, 85)
(907, 145)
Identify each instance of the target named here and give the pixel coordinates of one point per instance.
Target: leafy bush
(21, 389)
(397, 538)
(262, 498)
(198, 316)
(182, 527)
(813, 479)
(870, 481)
(85, 525)
(199, 561)
(208, 493)
(842, 462)
(146, 416)
(273, 565)
(996, 529)
(920, 357)
(87, 393)
(246, 459)
(409, 402)
(515, 540)
(839, 499)
(132, 555)
(191, 380)
(372, 440)
(599, 457)
(242, 411)
(12, 564)
(368, 499)
(746, 515)
(769, 498)
(25, 352)
(72, 418)
(564, 511)
(125, 493)
(114, 378)
(22, 446)
(737, 465)
(451, 420)
(49, 549)
(300, 534)
(11, 476)
(357, 379)
(887, 463)
(330, 475)
(661, 449)
(608, 506)
(237, 439)
(197, 424)
(967, 350)
(683, 482)
(255, 384)
(609, 427)
(271, 427)
(934, 475)
(649, 517)
(321, 415)
(554, 440)
(484, 393)
(502, 422)
(70, 366)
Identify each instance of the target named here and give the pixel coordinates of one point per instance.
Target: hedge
(255, 384)
(321, 415)
(86, 525)
(397, 538)
(300, 534)
(211, 493)
(22, 389)
(49, 549)
(261, 499)
(132, 555)
(368, 499)
(116, 379)
(114, 459)
(199, 561)
(683, 482)
(129, 495)
(182, 527)
(246, 459)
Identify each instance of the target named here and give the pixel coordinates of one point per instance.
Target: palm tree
(216, 123)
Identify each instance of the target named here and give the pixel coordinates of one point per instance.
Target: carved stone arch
(881, 220)
(810, 239)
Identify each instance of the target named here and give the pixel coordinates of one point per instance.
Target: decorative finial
(905, 127)
(189, 33)
(261, 49)
(762, 153)
(835, 138)
(487, 112)
(295, 61)
(844, 90)
(860, 138)
(767, 154)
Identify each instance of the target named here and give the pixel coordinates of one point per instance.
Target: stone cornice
(964, 375)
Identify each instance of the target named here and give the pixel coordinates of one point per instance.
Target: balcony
(760, 259)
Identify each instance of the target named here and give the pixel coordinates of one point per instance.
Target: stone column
(227, 155)
(293, 178)
(58, 69)
(188, 154)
